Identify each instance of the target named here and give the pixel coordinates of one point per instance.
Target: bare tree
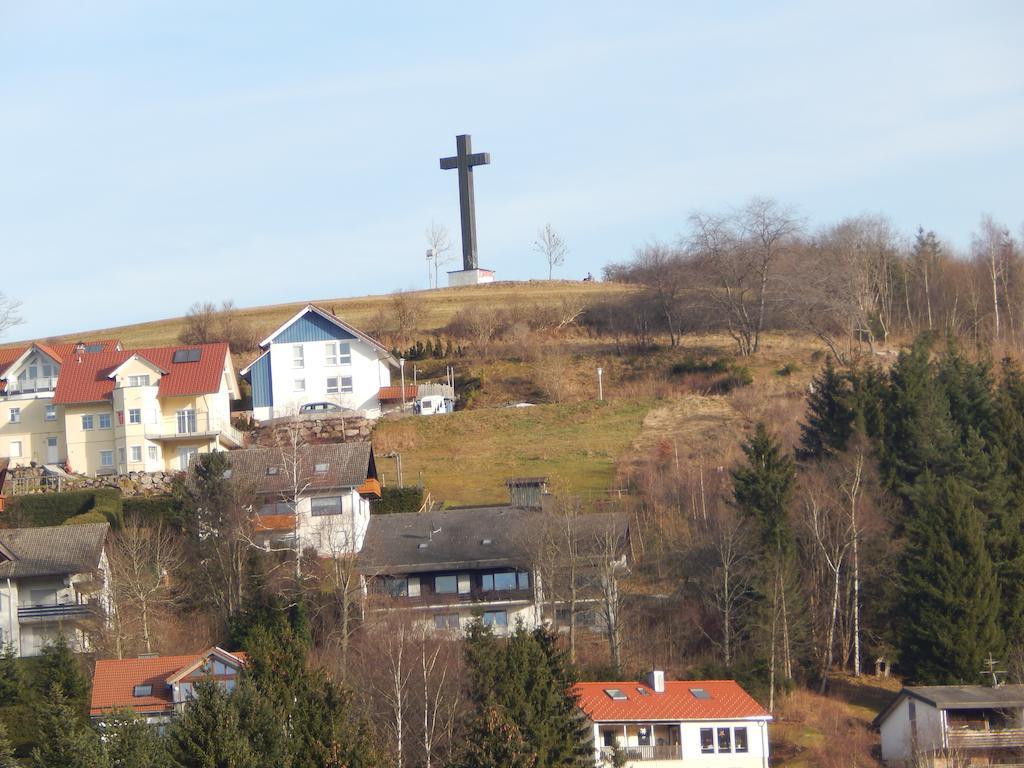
(405, 312)
(142, 562)
(200, 321)
(440, 245)
(552, 246)
(9, 313)
(205, 323)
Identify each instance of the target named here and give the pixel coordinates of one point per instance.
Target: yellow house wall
(84, 446)
(32, 431)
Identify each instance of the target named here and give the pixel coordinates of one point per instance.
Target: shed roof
(958, 697)
(56, 550)
(323, 466)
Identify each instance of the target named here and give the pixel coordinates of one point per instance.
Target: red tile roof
(395, 392)
(86, 378)
(58, 352)
(114, 681)
(726, 701)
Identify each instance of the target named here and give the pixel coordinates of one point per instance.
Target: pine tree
(65, 740)
(950, 596)
(10, 674)
(763, 488)
(209, 734)
(830, 418)
(131, 743)
(59, 666)
(492, 740)
(6, 749)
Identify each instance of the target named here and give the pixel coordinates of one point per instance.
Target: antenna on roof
(992, 671)
(433, 530)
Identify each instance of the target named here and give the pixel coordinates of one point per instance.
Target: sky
(154, 154)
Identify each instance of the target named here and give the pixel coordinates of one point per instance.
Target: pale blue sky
(157, 153)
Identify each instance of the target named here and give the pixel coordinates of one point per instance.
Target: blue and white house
(316, 357)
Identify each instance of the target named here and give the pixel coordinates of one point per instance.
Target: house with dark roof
(156, 687)
(100, 409)
(704, 723)
(445, 568)
(52, 582)
(310, 496)
(943, 725)
(316, 357)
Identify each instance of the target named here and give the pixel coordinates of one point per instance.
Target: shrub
(57, 508)
(398, 498)
(739, 376)
(700, 365)
(788, 369)
(150, 510)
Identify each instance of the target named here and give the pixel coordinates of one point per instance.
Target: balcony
(191, 426)
(53, 612)
(26, 386)
(652, 752)
(384, 600)
(967, 738)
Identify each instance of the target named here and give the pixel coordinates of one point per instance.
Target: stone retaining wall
(26, 480)
(311, 428)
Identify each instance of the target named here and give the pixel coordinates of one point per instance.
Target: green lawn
(465, 457)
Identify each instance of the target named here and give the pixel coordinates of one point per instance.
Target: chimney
(656, 680)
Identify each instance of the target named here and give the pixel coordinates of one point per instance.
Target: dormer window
(142, 690)
(141, 380)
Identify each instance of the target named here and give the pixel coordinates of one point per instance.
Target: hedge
(57, 508)
(399, 498)
(152, 509)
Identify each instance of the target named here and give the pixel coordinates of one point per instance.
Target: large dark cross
(464, 160)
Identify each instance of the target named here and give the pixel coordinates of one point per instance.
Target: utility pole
(431, 277)
(401, 362)
(600, 384)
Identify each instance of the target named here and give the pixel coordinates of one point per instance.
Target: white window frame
(331, 354)
(298, 356)
(15, 415)
(152, 453)
(136, 454)
(344, 353)
(106, 458)
(345, 388)
(299, 385)
(88, 422)
(332, 388)
(107, 418)
(139, 380)
(51, 413)
(134, 415)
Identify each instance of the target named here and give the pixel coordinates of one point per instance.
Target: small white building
(52, 583)
(316, 357)
(702, 723)
(312, 496)
(943, 725)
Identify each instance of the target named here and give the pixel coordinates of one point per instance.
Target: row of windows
(448, 584)
(335, 353)
(726, 739)
(445, 621)
(321, 505)
(107, 457)
(51, 414)
(335, 385)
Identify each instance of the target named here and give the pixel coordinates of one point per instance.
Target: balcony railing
(381, 599)
(66, 612)
(966, 738)
(188, 426)
(653, 752)
(46, 384)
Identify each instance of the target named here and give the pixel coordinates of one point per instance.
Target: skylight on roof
(93, 348)
(422, 545)
(187, 355)
(321, 467)
(227, 474)
(700, 693)
(142, 690)
(616, 694)
(486, 542)
(271, 470)
(642, 691)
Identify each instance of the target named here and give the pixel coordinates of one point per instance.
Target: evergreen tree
(58, 666)
(6, 749)
(950, 596)
(208, 733)
(830, 418)
(65, 740)
(492, 740)
(131, 743)
(970, 392)
(10, 674)
(763, 488)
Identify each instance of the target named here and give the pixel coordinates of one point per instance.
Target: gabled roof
(87, 378)
(331, 318)
(57, 550)
(114, 681)
(136, 356)
(11, 356)
(474, 537)
(723, 700)
(343, 465)
(958, 697)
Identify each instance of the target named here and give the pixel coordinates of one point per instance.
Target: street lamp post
(431, 272)
(401, 362)
(600, 384)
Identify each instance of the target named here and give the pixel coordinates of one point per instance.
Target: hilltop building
(702, 723)
(97, 408)
(315, 357)
(155, 687)
(52, 583)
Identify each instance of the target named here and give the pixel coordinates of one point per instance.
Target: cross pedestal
(470, 277)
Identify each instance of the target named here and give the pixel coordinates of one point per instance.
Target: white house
(943, 725)
(155, 687)
(316, 357)
(52, 583)
(311, 496)
(702, 723)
